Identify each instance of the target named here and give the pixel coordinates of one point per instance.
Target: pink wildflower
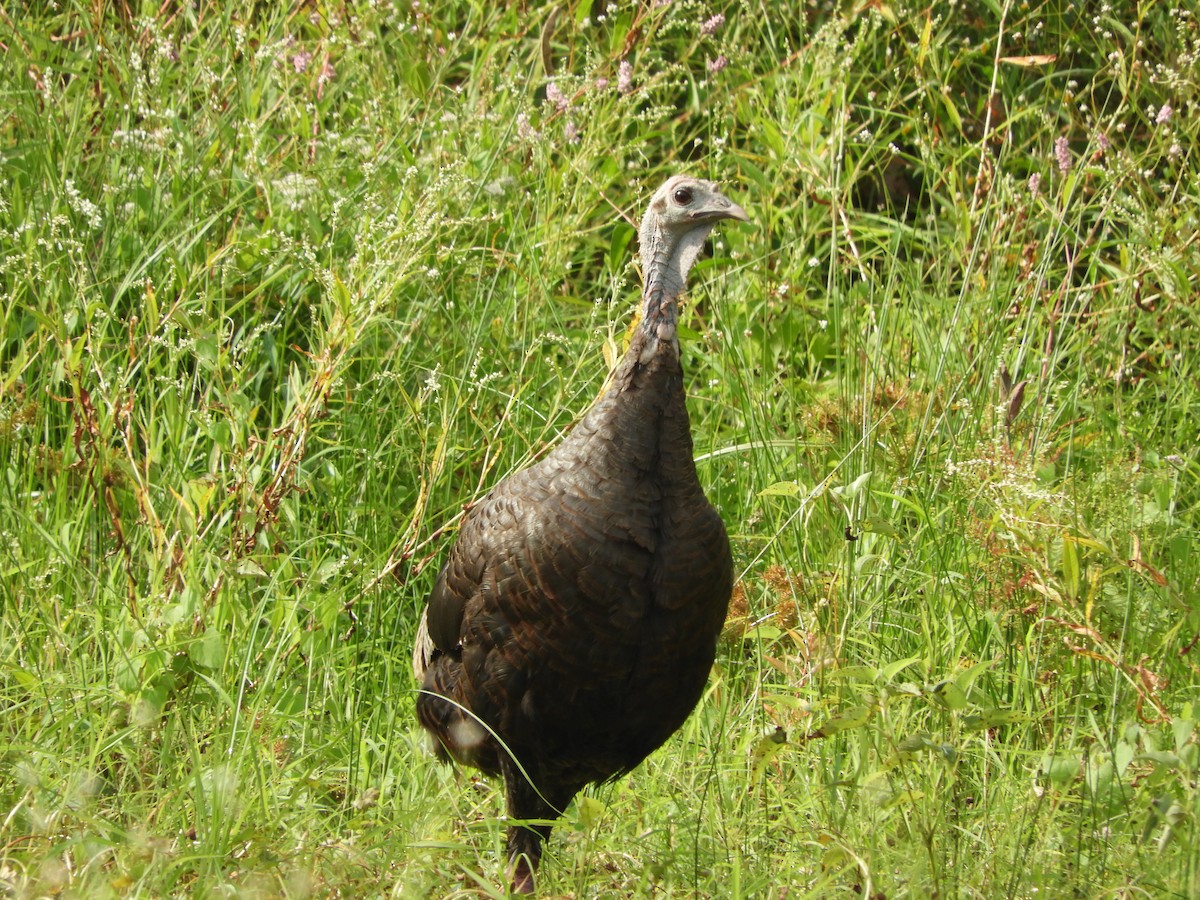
(555, 96)
(625, 77)
(525, 131)
(1062, 153)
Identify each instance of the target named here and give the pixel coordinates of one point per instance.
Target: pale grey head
(681, 214)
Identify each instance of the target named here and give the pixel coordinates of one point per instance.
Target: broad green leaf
(765, 749)
(765, 632)
(853, 489)
(781, 489)
(855, 717)
(923, 45)
(1060, 768)
(1182, 729)
(1123, 755)
(855, 673)
(893, 668)
(1070, 564)
(873, 525)
(870, 564)
(200, 492)
(789, 700)
(999, 715)
(1162, 758)
(948, 695)
(914, 743)
(591, 811)
(209, 651)
(251, 568)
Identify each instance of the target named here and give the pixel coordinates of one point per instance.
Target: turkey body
(573, 626)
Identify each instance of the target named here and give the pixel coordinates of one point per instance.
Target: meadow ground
(284, 286)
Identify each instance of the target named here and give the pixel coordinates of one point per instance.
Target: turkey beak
(733, 211)
(721, 208)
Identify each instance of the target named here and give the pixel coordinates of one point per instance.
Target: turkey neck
(666, 258)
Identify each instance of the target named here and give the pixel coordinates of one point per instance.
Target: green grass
(282, 290)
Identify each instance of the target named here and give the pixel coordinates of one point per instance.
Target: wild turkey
(575, 622)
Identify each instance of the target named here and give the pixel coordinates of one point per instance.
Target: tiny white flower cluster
(295, 189)
(83, 206)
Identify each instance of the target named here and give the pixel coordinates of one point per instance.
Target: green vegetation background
(284, 286)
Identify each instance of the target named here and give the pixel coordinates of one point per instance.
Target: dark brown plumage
(575, 622)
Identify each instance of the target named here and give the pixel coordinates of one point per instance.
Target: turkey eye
(683, 196)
